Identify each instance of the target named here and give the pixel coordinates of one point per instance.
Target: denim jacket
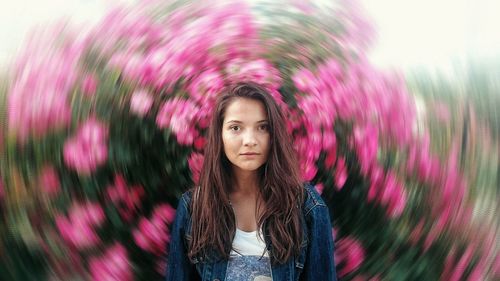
(315, 262)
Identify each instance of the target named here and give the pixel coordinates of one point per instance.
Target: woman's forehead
(245, 110)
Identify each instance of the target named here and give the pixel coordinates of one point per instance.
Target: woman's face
(245, 134)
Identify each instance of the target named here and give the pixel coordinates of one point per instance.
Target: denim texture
(315, 262)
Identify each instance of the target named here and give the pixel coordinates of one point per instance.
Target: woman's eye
(234, 128)
(264, 127)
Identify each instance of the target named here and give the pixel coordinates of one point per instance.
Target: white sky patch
(433, 33)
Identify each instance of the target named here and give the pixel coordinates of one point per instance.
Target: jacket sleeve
(179, 267)
(320, 264)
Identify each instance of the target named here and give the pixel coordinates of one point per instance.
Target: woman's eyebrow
(240, 122)
(234, 121)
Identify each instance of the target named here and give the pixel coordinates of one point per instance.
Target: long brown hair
(213, 222)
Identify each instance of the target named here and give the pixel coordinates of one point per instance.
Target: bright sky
(434, 32)
(411, 33)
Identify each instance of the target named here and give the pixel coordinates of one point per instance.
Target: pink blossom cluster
(453, 270)
(89, 85)
(127, 199)
(448, 208)
(365, 143)
(184, 48)
(180, 116)
(203, 90)
(361, 94)
(485, 266)
(349, 255)
(357, 92)
(87, 149)
(386, 189)
(308, 150)
(257, 70)
(48, 180)
(113, 265)
(152, 234)
(78, 229)
(141, 102)
(42, 79)
(206, 86)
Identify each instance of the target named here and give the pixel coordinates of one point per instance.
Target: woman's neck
(245, 182)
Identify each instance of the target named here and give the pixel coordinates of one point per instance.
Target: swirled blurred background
(392, 106)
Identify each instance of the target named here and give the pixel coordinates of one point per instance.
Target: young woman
(251, 218)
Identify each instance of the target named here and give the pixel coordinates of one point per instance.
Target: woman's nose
(249, 138)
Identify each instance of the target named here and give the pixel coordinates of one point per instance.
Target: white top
(248, 244)
(246, 260)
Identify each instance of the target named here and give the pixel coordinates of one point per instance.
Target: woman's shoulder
(189, 194)
(312, 199)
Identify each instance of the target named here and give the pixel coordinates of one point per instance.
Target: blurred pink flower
(319, 187)
(330, 73)
(397, 203)
(78, 230)
(479, 271)
(89, 85)
(304, 80)
(87, 150)
(180, 116)
(329, 140)
(49, 180)
(428, 168)
(318, 111)
(36, 112)
(195, 162)
(459, 268)
(393, 196)
(199, 143)
(331, 157)
(206, 87)
(86, 214)
(350, 253)
(152, 235)
(141, 102)
(309, 170)
(43, 75)
(112, 266)
(340, 174)
(376, 182)
(308, 149)
(259, 71)
(126, 199)
(390, 187)
(164, 212)
(129, 64)
(365, 144)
